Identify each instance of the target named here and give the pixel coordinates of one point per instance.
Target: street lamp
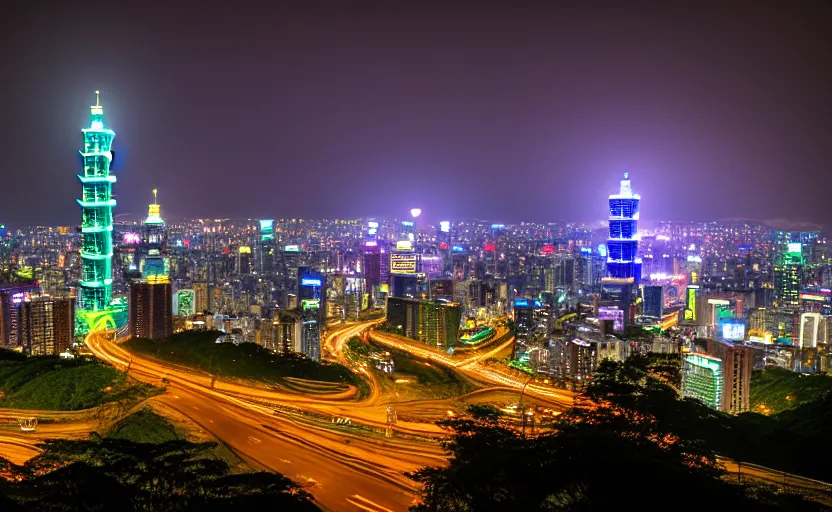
(522, 411)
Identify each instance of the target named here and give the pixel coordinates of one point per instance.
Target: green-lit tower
(96, 288)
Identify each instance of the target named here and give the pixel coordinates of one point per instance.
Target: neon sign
(131, 238)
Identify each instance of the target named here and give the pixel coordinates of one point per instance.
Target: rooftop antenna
(155, 191)
(97, 98)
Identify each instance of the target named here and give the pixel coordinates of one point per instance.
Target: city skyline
(378, 116)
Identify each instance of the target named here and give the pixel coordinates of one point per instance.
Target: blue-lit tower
(96, 288)
(622, 246)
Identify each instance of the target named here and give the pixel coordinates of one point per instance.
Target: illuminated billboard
(185, 303)
(719, 302)
(404, 245)
(690, 303)
(407, 223)
(131, 238)
(306, 304)
(458, 248)
(547, 249)
(402, 263)
(733, 331)
(291, 248)
(498, 226)
(309, 281)
(445, 226)
(372, 224)
(490, 247)
(370, 243)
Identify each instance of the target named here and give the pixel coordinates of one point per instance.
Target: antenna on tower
(97, 98)
(154, 196)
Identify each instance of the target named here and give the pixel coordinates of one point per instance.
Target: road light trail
(336, 463)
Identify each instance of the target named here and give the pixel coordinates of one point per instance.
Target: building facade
(151, 309)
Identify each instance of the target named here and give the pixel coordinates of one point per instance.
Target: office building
(787, 274)
(653, 297)
(151, 309)
(435, 323)
(703, 379)
(11, 296)
(733, 374)
(266, 248)
(310, 331)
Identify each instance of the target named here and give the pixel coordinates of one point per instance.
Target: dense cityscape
(535, 307)
(417, 360)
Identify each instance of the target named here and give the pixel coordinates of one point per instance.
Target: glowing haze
(508, 114)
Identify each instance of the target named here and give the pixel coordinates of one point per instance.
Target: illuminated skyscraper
(97, 204)
(787, 276)
(154, 242)
(622, 246)
(703, 379)
(266, 247)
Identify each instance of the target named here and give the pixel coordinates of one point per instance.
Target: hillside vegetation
(199, 350)
(776, 389)
(50, 383)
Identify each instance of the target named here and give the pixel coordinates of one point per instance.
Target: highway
(343, 468)
(471, 366)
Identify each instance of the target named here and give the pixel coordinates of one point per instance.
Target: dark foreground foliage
(627, 445)
(119, 475)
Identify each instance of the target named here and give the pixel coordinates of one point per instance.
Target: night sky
(505, 114)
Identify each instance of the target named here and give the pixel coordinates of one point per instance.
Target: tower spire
(97, 98)
(154, 211)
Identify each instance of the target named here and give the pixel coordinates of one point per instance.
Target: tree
(624, 446)
(113, 474)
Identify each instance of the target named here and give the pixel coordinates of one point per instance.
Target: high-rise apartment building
(46, 325)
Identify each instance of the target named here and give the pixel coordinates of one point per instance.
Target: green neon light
(702, 378)
(114, 317)
(469, 339)
(95, 291)
(96, 179)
